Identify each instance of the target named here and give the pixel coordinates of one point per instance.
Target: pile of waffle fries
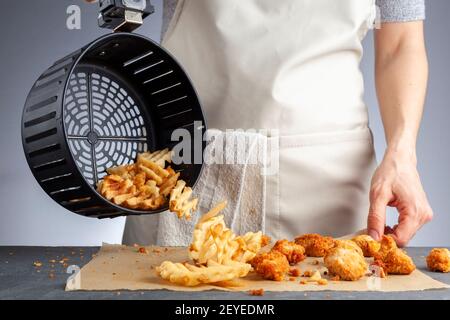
(148, 184)
(219, 255)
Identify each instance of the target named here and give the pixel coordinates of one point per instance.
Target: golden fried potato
(367, 244)
(315, 245)
(439, 260)
(271, 265)
(190, 275)
(147, 185)
(212, 240)
(180, 200)
(294, 252)
(345, 262)
(249, 245)
(393, 259)
(159, 157)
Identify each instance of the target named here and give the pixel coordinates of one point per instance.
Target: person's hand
(396, 183)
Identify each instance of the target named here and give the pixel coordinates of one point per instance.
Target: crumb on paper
(156, 251)
(166, 249)
(307, 273)
(292, 279)
(335, 278)
(322, 282)
(294, 272)
(315, 262)
(257, 292)
(303, 281)
(143, 250)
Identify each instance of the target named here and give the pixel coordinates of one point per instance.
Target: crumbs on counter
(257, 292)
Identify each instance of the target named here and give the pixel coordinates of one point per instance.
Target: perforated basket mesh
(101, 106)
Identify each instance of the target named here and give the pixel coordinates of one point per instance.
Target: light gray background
(34, 35)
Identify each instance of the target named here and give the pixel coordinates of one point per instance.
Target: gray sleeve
(401, 10)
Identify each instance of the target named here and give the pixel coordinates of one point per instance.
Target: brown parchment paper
(117, 267)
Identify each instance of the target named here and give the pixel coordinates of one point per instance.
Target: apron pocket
(322, 185)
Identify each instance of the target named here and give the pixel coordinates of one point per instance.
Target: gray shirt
(390, 11)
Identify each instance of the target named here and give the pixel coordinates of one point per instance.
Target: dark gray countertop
(20, 279)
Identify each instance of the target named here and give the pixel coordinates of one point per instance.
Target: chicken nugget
(315, 245)
(346, 263)
(293, 252)
(367, 244)
(348, 244)
(395, 260)
(271, 265)
(439, 260)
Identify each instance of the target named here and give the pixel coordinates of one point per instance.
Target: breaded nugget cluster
(293, 252)
(392, 259)
(274, 265)
(367, 244)
(439, 260)
(346, 260)
(315, 245)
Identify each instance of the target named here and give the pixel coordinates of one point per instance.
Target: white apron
(291, 65)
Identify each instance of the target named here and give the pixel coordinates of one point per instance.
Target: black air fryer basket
(101, 106)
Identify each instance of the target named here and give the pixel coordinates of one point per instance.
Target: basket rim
(70, 71)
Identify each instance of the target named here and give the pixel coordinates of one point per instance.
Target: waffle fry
(148, 185)
(169, 183)
(190, 275)
(212, 240)
(159, 157)
(180, 202)
(219, 254)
